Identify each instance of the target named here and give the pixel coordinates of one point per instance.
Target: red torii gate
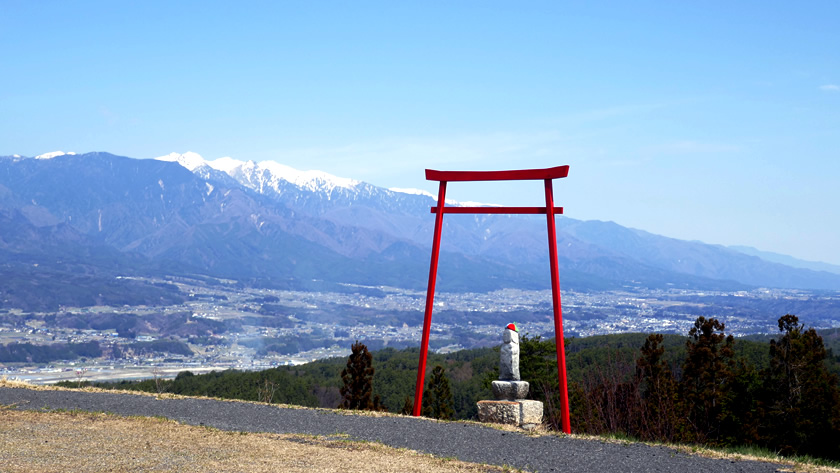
(547, 175)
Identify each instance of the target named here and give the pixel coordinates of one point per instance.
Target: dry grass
(81, 441)
(6, 383)
(789, 464)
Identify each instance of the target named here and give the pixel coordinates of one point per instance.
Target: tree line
(16, 352)
(713, 397)
(707, 388)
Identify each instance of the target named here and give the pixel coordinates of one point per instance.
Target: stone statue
(509, 386)
(509, 361)
(510, 406)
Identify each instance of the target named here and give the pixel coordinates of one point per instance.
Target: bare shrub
(160, 385)
(265, 392)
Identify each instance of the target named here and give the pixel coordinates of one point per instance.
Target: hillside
(468, 442)
(316, 384)
(646, 386)
(269, 224)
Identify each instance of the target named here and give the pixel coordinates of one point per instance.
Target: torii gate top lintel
(512, 175)
(547, 175)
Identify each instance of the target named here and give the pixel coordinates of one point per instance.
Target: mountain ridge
(786, 259)
(248, 221)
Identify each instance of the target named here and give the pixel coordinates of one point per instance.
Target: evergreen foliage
(706, 379)
(780, 394)
(357, 392)
(30, 353)
(538, 366)
(658, 391)
(801, 397)
(739, 419)
(408, 406)
(438, 397)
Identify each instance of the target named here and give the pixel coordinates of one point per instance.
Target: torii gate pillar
(546, 175)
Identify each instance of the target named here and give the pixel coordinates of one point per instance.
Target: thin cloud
(830, 88)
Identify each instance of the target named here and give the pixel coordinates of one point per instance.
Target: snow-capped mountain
(189, 160)
(266, 175)
(239, 219)
(271, 177)
(403, 214)
(341, 201)
(399, 213)
(412, 191)
(53, 154)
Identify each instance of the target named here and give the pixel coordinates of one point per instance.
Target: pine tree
(658, 392)
(438, 397)
(705, 380)
(408, 406)
(740, 418)
(801, 397)
(538, 365)
(357, 391)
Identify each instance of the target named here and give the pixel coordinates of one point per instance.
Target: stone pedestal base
(522, 413)
(510, 390)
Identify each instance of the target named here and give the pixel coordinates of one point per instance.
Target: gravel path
(468, 442)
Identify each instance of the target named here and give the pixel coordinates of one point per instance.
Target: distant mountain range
(787, 260)
(269, 224)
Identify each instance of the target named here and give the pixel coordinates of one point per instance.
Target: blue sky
(711, 121)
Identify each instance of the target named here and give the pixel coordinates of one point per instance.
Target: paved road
(469, 442)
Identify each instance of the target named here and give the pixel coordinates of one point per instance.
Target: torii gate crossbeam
(547, 175)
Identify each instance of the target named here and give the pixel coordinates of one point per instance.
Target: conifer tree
(357, 392)
(438, 397)
(740, 417)
(408, 406)
(658, 391)
(801, 397)
(538, 365)
(705, 380)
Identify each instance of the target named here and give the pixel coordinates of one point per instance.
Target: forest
(33, 353)
(708, 388)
